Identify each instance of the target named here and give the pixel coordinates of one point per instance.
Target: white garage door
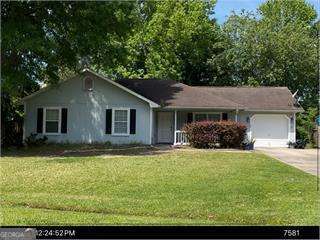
(270, 130)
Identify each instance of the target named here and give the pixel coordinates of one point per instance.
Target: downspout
(236, 116)
(151, 125)
(175, 127)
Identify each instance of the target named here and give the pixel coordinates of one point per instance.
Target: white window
(207, 117)
(88, 84)
(52, 120)
(120, 121)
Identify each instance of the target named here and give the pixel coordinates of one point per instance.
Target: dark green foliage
(300, 144)
(33, 140)
(173, 40)
(42, 39)
(306, 124)
(11, 120)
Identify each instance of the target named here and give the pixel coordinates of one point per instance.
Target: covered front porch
(168, 124)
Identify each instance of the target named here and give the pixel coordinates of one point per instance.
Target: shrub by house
(209, 134)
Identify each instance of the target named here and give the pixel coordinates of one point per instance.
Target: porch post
(294, 127)
(236, 117)
(175, 126)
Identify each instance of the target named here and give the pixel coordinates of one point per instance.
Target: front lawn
(171, 187)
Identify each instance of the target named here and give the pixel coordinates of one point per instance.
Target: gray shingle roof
(257, 98)
(171, 94)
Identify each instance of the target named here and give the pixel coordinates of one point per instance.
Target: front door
(165, 127)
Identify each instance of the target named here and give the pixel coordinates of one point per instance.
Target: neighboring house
(92, 108)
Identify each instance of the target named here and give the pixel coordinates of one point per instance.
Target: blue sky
(225, 7)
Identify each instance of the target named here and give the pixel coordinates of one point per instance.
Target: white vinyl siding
(86, 112)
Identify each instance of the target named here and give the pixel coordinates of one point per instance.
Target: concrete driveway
(304, 159)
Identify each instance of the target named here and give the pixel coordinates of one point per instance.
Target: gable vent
(88, 84)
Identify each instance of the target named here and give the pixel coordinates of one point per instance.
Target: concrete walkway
(303, 159)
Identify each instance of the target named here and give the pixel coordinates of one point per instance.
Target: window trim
(128, 122)
(44, 120)
(207, 113)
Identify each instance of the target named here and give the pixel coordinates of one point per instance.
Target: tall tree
(174, 40)
(277, 47)
(42, 40)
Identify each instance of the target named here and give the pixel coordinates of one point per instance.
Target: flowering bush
(208, 134)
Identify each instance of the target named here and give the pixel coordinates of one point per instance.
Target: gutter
(275, 111)
(238, 109)
(222, 108)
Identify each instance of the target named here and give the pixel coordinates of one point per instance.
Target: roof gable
(87, 71)
(152, 104)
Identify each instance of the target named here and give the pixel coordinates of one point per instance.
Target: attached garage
(270, 130)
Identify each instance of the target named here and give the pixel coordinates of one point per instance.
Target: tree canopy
(174, 40)
(277, 47)
(42, 40)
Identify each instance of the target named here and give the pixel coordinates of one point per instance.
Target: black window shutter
(190, 118)
(132, 121)
(64, 120)
(108, 120)
(225, 116)
(39, 120)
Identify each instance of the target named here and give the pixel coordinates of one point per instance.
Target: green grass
(175, 187)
